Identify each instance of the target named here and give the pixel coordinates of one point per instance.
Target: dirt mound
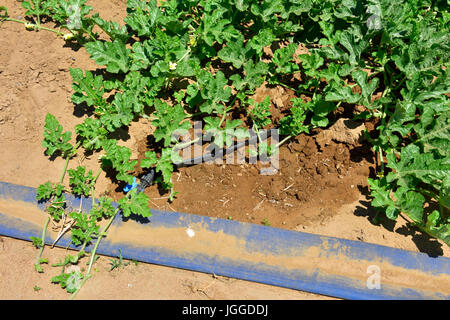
(312, 183)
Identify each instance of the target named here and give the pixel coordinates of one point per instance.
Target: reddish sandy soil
(320, 188)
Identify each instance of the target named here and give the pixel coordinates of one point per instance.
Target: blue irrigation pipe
(308, 262)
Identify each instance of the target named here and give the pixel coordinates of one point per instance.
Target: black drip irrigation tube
(147, 179)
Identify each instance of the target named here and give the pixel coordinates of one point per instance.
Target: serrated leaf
(135, 203)
(283, 59)
(54, 138)
(267, 9)
(113, 29)
(367, 88)
(235, 52)
(113, 55)
(142, 16)
(355, 49)
(44, 191)
(92, 132)
(87, 88)
(169, 122)
(80, 181)
(119, 158)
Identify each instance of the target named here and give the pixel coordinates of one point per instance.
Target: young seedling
(118, 263)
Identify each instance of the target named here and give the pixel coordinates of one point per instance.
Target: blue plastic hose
(308, 262)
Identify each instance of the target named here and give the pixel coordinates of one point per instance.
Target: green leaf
(169, 122)
(255, 74)
(44, 191)
(293, 124)
(142, 16)
(69, 281)
(54, 139)
(213, 28)
(5, 10)
(113, 55)
(103, 209)
(335, 92)
(263, 39)
(283, 59)
(92, 133)
(414, 165)
(367, 88)
(355, 49)
(85, 228)
(380, 191)
(36, 7)
(57, 207)
(267, 10)
(164, 164)
(321, 109)
(214, 90)
(113, 29)
(135, 203)
(87, 88)
(121, 112)
(80, 182)
(260, 112)
(331, 73)
(411, 203)
(37, 242)
(235, 52)
(311, 63)
(119, 158)
(38, 268)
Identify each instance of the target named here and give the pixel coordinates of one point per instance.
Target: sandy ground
(34, 80)
(18, 280)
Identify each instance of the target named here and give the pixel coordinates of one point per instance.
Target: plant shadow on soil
(424, 243)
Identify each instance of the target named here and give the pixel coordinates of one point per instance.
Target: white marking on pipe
(190, 232)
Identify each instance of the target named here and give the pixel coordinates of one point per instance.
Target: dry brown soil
(320, 188)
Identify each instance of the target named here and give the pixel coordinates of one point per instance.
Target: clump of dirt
(344, 131)
(280, 98)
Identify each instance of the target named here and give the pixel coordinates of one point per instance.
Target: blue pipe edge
(296, 260)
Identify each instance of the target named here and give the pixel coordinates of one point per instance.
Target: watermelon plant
(176, 61)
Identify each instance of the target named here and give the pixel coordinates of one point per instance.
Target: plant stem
(44, 230)
(89, 34)
(67, 162)
(283, 141)
(65, 169)
(91, 262)
(191, 115)
(81, 250)
(184, 55)
(184, 144)
(383, 123)
(223, 117)
(37, 25)
(257, 132)
(285, 85)
(93, 186)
